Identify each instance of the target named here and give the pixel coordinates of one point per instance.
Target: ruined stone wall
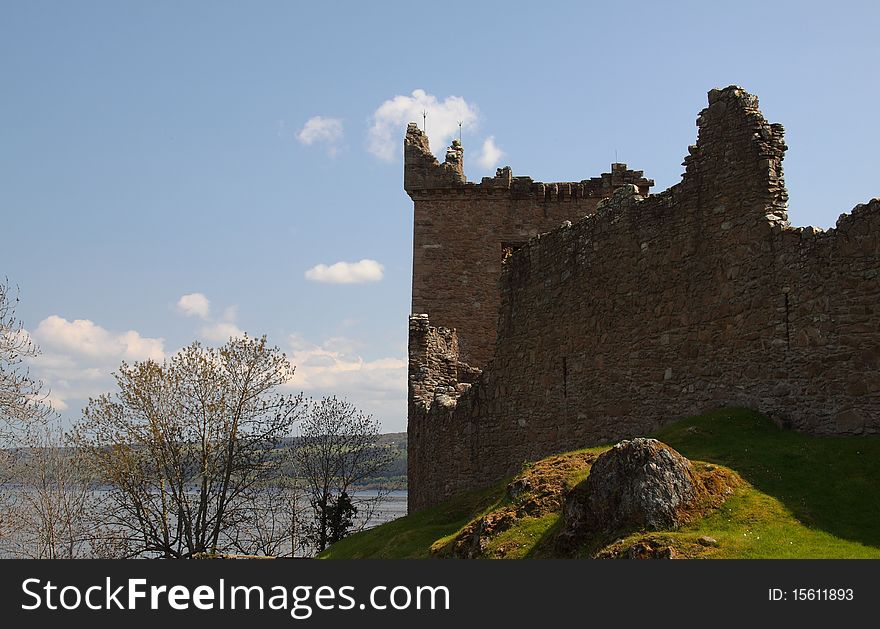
(656, 308)
(461, 231)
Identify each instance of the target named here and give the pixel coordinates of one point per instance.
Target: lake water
(392, 506)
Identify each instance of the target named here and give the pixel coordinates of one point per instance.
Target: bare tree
(337, 450)
(24, 413)
(22, 403)
(273, 521)
(53, 505)
(186, 445)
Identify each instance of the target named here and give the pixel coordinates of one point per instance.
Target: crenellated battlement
(425, 176)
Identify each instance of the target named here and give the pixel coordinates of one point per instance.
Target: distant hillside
(392, 476)
(798, 497)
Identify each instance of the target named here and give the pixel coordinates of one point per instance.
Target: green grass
(526, 540)
(816, 497)
(411, 536)
(826, 483)
(752, 525)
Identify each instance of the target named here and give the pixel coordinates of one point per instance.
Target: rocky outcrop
(641, 484)
(540, 489)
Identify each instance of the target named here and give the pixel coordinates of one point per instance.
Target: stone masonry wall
(663, 306)
(462, 229)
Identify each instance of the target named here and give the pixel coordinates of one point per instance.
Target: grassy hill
(799, 497)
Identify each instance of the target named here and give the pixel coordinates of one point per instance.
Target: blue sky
(172, 171)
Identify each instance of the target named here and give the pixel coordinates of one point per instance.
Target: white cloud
(194, 304)
(385, 136)
(220, 331)
(230, 314)
(490, 155)
(335, 367)
(346, 272)
(214, 330)
(342, 345)
(139, 348)
(57, 402)
(321, 130)
(78, 357)
(84, 337)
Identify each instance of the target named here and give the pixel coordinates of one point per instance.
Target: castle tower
(463, 230)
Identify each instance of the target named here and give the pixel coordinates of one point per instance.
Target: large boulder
(636, 485)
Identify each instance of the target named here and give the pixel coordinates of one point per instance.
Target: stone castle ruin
(550, 317)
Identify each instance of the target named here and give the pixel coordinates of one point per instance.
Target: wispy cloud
(335, 367)
(346, 272)
(385, 135)
(323, 131)
(490, 154)
(219, 331)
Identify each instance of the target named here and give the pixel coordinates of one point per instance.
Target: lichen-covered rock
(538, 490)
(637, 484)
(472, 541)
(640, 549)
